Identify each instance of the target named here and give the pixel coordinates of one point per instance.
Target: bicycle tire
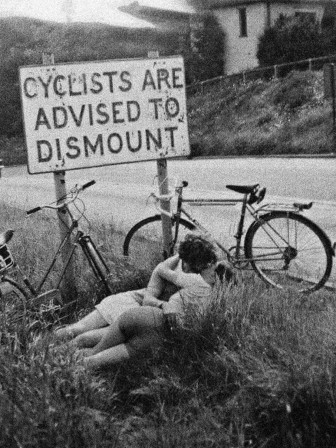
(143, 243)
(300, 260)
(13, 303)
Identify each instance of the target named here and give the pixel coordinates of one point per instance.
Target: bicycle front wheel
(289, 251)
(143, 243)
(13, 303)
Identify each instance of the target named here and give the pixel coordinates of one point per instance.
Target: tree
(22, 42)
(291, 39)
(205, 57)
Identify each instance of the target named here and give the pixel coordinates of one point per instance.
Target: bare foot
(85, 352)
(64, 333)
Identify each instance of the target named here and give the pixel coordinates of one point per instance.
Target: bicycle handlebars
(71, 196)
(87, 185)
(33, 210)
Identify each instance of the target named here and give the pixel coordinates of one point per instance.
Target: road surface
(121, 191)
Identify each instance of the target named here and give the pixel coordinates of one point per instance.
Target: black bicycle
(18, 294)
(287, 250)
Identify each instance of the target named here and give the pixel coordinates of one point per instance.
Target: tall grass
(257, 369)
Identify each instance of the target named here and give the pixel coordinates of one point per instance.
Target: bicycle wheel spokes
(12, 306)
(289, 251)
(144, 245)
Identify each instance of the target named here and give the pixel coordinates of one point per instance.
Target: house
(242, 21)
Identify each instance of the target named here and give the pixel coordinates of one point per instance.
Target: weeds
(287, 116)
(256, 369)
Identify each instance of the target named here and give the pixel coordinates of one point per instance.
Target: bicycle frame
(180, 210)
(75, 237)
(220, 202)
(96, 261)
(236, 256)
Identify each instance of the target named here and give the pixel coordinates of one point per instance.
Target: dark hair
(198, 252)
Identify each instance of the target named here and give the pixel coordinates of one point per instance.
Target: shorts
(115, 305)
(143, 329)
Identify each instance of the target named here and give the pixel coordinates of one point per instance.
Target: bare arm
(165, 271)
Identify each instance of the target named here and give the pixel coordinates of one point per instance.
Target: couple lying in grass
(124, 325)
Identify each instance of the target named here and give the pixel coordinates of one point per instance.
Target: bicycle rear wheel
(289, 251)
(143, 243)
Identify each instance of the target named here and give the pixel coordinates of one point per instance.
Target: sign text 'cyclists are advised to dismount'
(103, 113)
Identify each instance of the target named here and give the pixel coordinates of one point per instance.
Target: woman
(143, 328)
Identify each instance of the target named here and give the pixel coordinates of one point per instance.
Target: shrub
(291, 39)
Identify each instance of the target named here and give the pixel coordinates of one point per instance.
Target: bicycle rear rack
(295, 207)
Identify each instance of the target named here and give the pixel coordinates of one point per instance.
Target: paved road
(121, 190)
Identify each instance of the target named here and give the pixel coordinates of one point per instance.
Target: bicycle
(284, 248)
(20, 298)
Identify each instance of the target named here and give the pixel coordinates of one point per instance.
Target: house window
(242, 22)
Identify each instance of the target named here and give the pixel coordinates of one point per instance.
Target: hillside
(288, 115)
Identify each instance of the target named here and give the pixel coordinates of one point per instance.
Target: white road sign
(103, 113)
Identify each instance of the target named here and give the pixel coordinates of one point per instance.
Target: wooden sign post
(165, 205)
(68, 286)
(163, 181)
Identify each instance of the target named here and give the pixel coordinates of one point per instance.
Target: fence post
(309, 64)
(333, 99)
(68, 286)
(275, 72)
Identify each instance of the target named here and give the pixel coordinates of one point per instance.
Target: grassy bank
(284, 116)
(256, 370)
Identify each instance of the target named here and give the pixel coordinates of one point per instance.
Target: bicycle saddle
(244, 189)
(6, 236)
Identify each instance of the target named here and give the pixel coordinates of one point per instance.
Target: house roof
(169, 11)
(163, 19)
(217, 4)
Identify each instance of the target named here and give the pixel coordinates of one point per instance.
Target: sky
(103, 11)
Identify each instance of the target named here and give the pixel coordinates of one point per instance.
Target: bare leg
(112, 336)
(109, 350)
(124, 351)
(111, 356)
(134, 332)
(90, 338)
(92, 321)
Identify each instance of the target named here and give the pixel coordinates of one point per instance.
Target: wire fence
(269, 72)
